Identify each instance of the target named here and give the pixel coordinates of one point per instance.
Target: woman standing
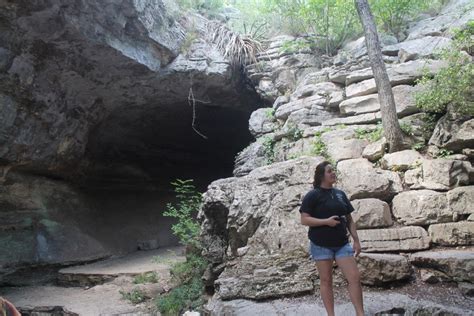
(326, 210)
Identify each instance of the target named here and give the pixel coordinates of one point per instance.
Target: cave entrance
(136, 152)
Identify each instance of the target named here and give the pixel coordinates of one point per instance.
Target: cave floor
(95, 289)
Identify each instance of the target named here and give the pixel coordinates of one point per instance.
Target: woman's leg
(325, 278)
(349, 268)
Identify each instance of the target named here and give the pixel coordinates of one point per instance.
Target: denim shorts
(325, 253)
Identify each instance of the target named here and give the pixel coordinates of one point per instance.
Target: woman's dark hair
(319, 173)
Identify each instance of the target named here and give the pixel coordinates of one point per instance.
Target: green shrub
(371, 135)
(269, 149)
(406, 128)
(444, 153)
(418, 146)
(294, 133)
(135, 296)
(270, 113)
(147, 277)
(318, 147)
(189, 201)
(186, 276)
(183, 297)
(453, 84)
(330, 23)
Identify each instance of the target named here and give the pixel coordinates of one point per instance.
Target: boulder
(381, 268)
(461, 200)
(367, 118)
(359, 179)
(421, 207)
(454, 15)
(401, 160)
(262, 122)
(439, 174)
(404, 102)
(315, 101)
(445, 173)
(258, 210)
(330, 94)
(453, 134)
(249, 158)
(371, 213)
(262, 277)
(452, 234)
(357, 49)
(404, 73)
(374, 151)
(424, 47)
(394, 239)
(457, 264)
(341, 144)
(433, 276)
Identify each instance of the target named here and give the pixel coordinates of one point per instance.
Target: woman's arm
(308, 220)
(355, 237)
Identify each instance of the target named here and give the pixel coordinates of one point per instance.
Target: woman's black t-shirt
(324, 203)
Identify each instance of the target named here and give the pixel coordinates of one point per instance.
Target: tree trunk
(392, 131)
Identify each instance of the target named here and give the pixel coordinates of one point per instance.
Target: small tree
(189, 201)
(392, 131)
(187, 275)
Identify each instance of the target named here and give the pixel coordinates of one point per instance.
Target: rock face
(452, 234)
(421, 207)
(439, 174)
(258, 210)
(266, 277)
(377, 269)
(49, 230)
(453, 133)
(394, 239)
(371, 213)
(401, 160)
(403, 96)
(368, 182)
(94, 112)
(457, 264)
(83, 81)
(417, 48)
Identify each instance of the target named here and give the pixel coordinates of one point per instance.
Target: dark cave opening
(136, 152)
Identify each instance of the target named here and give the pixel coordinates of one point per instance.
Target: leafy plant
(418, 146)
(135, 296)
(147, 277)
(442, 153)
(371, 135)
(318, 147)
(269, 149)
(187, 294)
(406, 128)
(189, 201)
(329, 23)
(181, 298)
(270, 113)
(452, 85)
(294, 133)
